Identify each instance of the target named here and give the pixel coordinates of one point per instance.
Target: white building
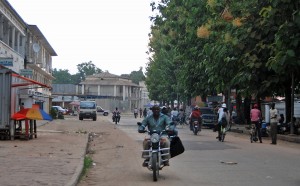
(25, 51)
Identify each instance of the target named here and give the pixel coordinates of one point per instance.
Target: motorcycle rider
(116, 114)
(181, 116)
(159, 122)
(174, 114)
(220, 115)
(164, 110)
(195, 115)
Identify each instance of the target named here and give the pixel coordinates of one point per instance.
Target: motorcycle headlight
(154, 138)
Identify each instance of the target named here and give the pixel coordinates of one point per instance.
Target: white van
(87, 109)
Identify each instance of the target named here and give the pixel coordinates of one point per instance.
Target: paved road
(235, 162)
(56, 158)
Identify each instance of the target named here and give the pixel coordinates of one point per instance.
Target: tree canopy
(208, 47)
(86, 69)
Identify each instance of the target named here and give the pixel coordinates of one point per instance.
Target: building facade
(109, 91)
(25, 51)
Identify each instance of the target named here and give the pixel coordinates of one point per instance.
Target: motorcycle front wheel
(155, 166)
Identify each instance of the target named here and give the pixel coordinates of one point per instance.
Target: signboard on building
(6, 61)
(25, 72)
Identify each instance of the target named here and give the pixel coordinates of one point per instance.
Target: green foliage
(62, 76)
(53, 113)
(86, 69)
(135, 76)
(87, 164)
(250, 45)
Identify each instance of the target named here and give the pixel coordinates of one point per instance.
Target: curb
(289, 138)
(75, 178)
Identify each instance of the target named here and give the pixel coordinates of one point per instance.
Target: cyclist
(255, 116)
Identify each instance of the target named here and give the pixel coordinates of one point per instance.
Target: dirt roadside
(56, 156)
(117, 159)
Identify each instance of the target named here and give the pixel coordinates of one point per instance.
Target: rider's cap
(224, 105)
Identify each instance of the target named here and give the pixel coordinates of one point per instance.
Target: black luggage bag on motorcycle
(176, 147)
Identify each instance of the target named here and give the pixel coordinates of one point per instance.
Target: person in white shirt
(174, 114)
(273, 123)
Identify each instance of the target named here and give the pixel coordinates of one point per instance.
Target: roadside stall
(25, 121)
(10, 82)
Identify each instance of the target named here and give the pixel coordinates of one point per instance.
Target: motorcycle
(156, 155)
(116, 117)
(283, 128)
(196, 127)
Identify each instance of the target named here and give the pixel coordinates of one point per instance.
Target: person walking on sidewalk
(141, 112)
(145, 112)
(255, 116)
(273, 123)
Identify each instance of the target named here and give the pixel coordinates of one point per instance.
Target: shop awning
(27, 82)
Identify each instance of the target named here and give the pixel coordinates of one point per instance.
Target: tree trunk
(238, 108)
(288, 99)
(247, 103)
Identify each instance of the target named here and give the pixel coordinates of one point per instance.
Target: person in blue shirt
(159, 122)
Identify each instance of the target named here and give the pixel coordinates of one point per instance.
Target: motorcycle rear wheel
(195, 131)
(222, 136)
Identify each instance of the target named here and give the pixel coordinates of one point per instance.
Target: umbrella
(32, 113)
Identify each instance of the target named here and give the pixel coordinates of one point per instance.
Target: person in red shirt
(195, 115)
(255, 116)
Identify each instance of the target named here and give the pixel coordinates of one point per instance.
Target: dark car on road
(209, 118)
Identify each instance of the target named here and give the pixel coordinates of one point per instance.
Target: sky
(113, 34)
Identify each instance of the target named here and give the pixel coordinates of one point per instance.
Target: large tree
(135, 76)
(62, 76)
(86, 69)
(218, 45)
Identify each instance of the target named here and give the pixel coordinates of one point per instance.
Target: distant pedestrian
(145, 112)
(273, 123)
(135, 112)
(141, 112)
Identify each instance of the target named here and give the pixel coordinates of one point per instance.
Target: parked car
(209, 118)
(101, 110)
(60, 109)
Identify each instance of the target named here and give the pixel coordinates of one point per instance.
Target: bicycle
(222, 133)
(253, 133)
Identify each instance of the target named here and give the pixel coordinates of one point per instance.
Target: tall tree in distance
(137, 76)
(62, 76)
(86, 69)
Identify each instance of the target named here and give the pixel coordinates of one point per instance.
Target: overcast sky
(113, 34)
